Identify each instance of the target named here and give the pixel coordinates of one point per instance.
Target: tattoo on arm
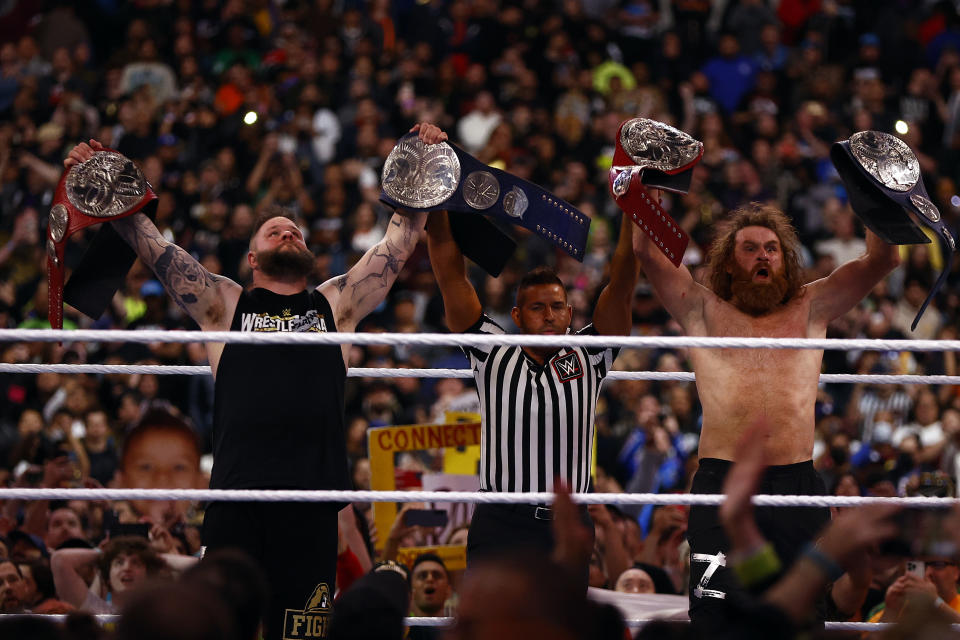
(372, 277)
(391, 263)
(409, 236)
(184, 278)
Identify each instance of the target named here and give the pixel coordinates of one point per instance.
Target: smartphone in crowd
(425, 518)
(916, 568)
(114, 528)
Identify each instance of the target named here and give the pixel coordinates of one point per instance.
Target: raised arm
(612, 313)
(362, 289)
(839, 292)
(203, 295)
(461, 305)
(682, 296)
(65, 565)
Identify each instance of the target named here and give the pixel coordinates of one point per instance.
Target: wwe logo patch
(568, 367)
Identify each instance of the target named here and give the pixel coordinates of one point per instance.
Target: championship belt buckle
(654, 154)
(108, 186)
(423, 177)
(882, 177)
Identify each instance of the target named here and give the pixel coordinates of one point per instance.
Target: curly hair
(131, 546)
(754, 214)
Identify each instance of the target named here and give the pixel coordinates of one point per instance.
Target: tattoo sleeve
(190, 285)
(371, 278)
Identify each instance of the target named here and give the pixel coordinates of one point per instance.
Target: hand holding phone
(114, 528)
(425, 518)
(916, 568)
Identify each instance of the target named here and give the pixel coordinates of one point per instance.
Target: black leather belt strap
(883, 181)
(654, 154)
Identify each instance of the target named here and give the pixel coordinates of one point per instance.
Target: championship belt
(883, 181)
(108, 186)
(430, 177)
(657, 155)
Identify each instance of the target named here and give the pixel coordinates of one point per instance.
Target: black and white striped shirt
(537, 420)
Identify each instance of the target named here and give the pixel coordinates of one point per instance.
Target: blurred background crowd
(233, 105)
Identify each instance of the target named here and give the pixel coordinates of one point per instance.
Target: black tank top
(278, 412)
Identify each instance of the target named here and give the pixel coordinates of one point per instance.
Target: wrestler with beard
(278, 409)
(287, 261)
(755, 288)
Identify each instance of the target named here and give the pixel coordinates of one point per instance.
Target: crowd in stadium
(231, 106)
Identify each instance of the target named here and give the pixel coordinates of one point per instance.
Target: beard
(286, 261)
(757, 298)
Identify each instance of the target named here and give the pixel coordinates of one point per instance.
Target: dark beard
(757, 298)
(284, 263)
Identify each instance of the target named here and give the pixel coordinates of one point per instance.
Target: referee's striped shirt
(537, 420)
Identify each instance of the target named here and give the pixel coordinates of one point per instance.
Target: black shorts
(787, 528)
(498, 528)
(296, 546)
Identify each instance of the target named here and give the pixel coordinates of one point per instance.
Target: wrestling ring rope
(440, 621)
(465, 340)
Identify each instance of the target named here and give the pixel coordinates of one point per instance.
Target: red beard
(757, 298)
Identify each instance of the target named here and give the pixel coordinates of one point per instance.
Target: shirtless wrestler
(754, 288)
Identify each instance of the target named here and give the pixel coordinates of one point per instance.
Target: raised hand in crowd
(737, 511)
(401, 531)
(610, 538)
(573, 541)
(667, 529)
(841, 545)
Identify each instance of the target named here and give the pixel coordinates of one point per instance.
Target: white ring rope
(442, 621)
(470, 340)
(384, 372)
(482, 497)
(462, 340)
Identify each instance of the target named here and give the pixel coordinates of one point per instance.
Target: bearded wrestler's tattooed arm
(362, 289)
(198, 292)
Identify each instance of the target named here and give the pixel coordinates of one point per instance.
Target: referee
(537, 404)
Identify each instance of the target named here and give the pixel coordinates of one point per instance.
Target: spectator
(914, 293)
(100, 446)
(475, 127)
(429, 586)
(11, 588)
(161, 452)
(124, 565)
(184, 611)
(39, 591)
(938, 586)
(25, 546)
(634, 581)
(237, 579)
(730, 74)
(64, 524)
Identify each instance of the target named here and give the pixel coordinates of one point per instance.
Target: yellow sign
(424, 436)
(384, 442)
(454, 556)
